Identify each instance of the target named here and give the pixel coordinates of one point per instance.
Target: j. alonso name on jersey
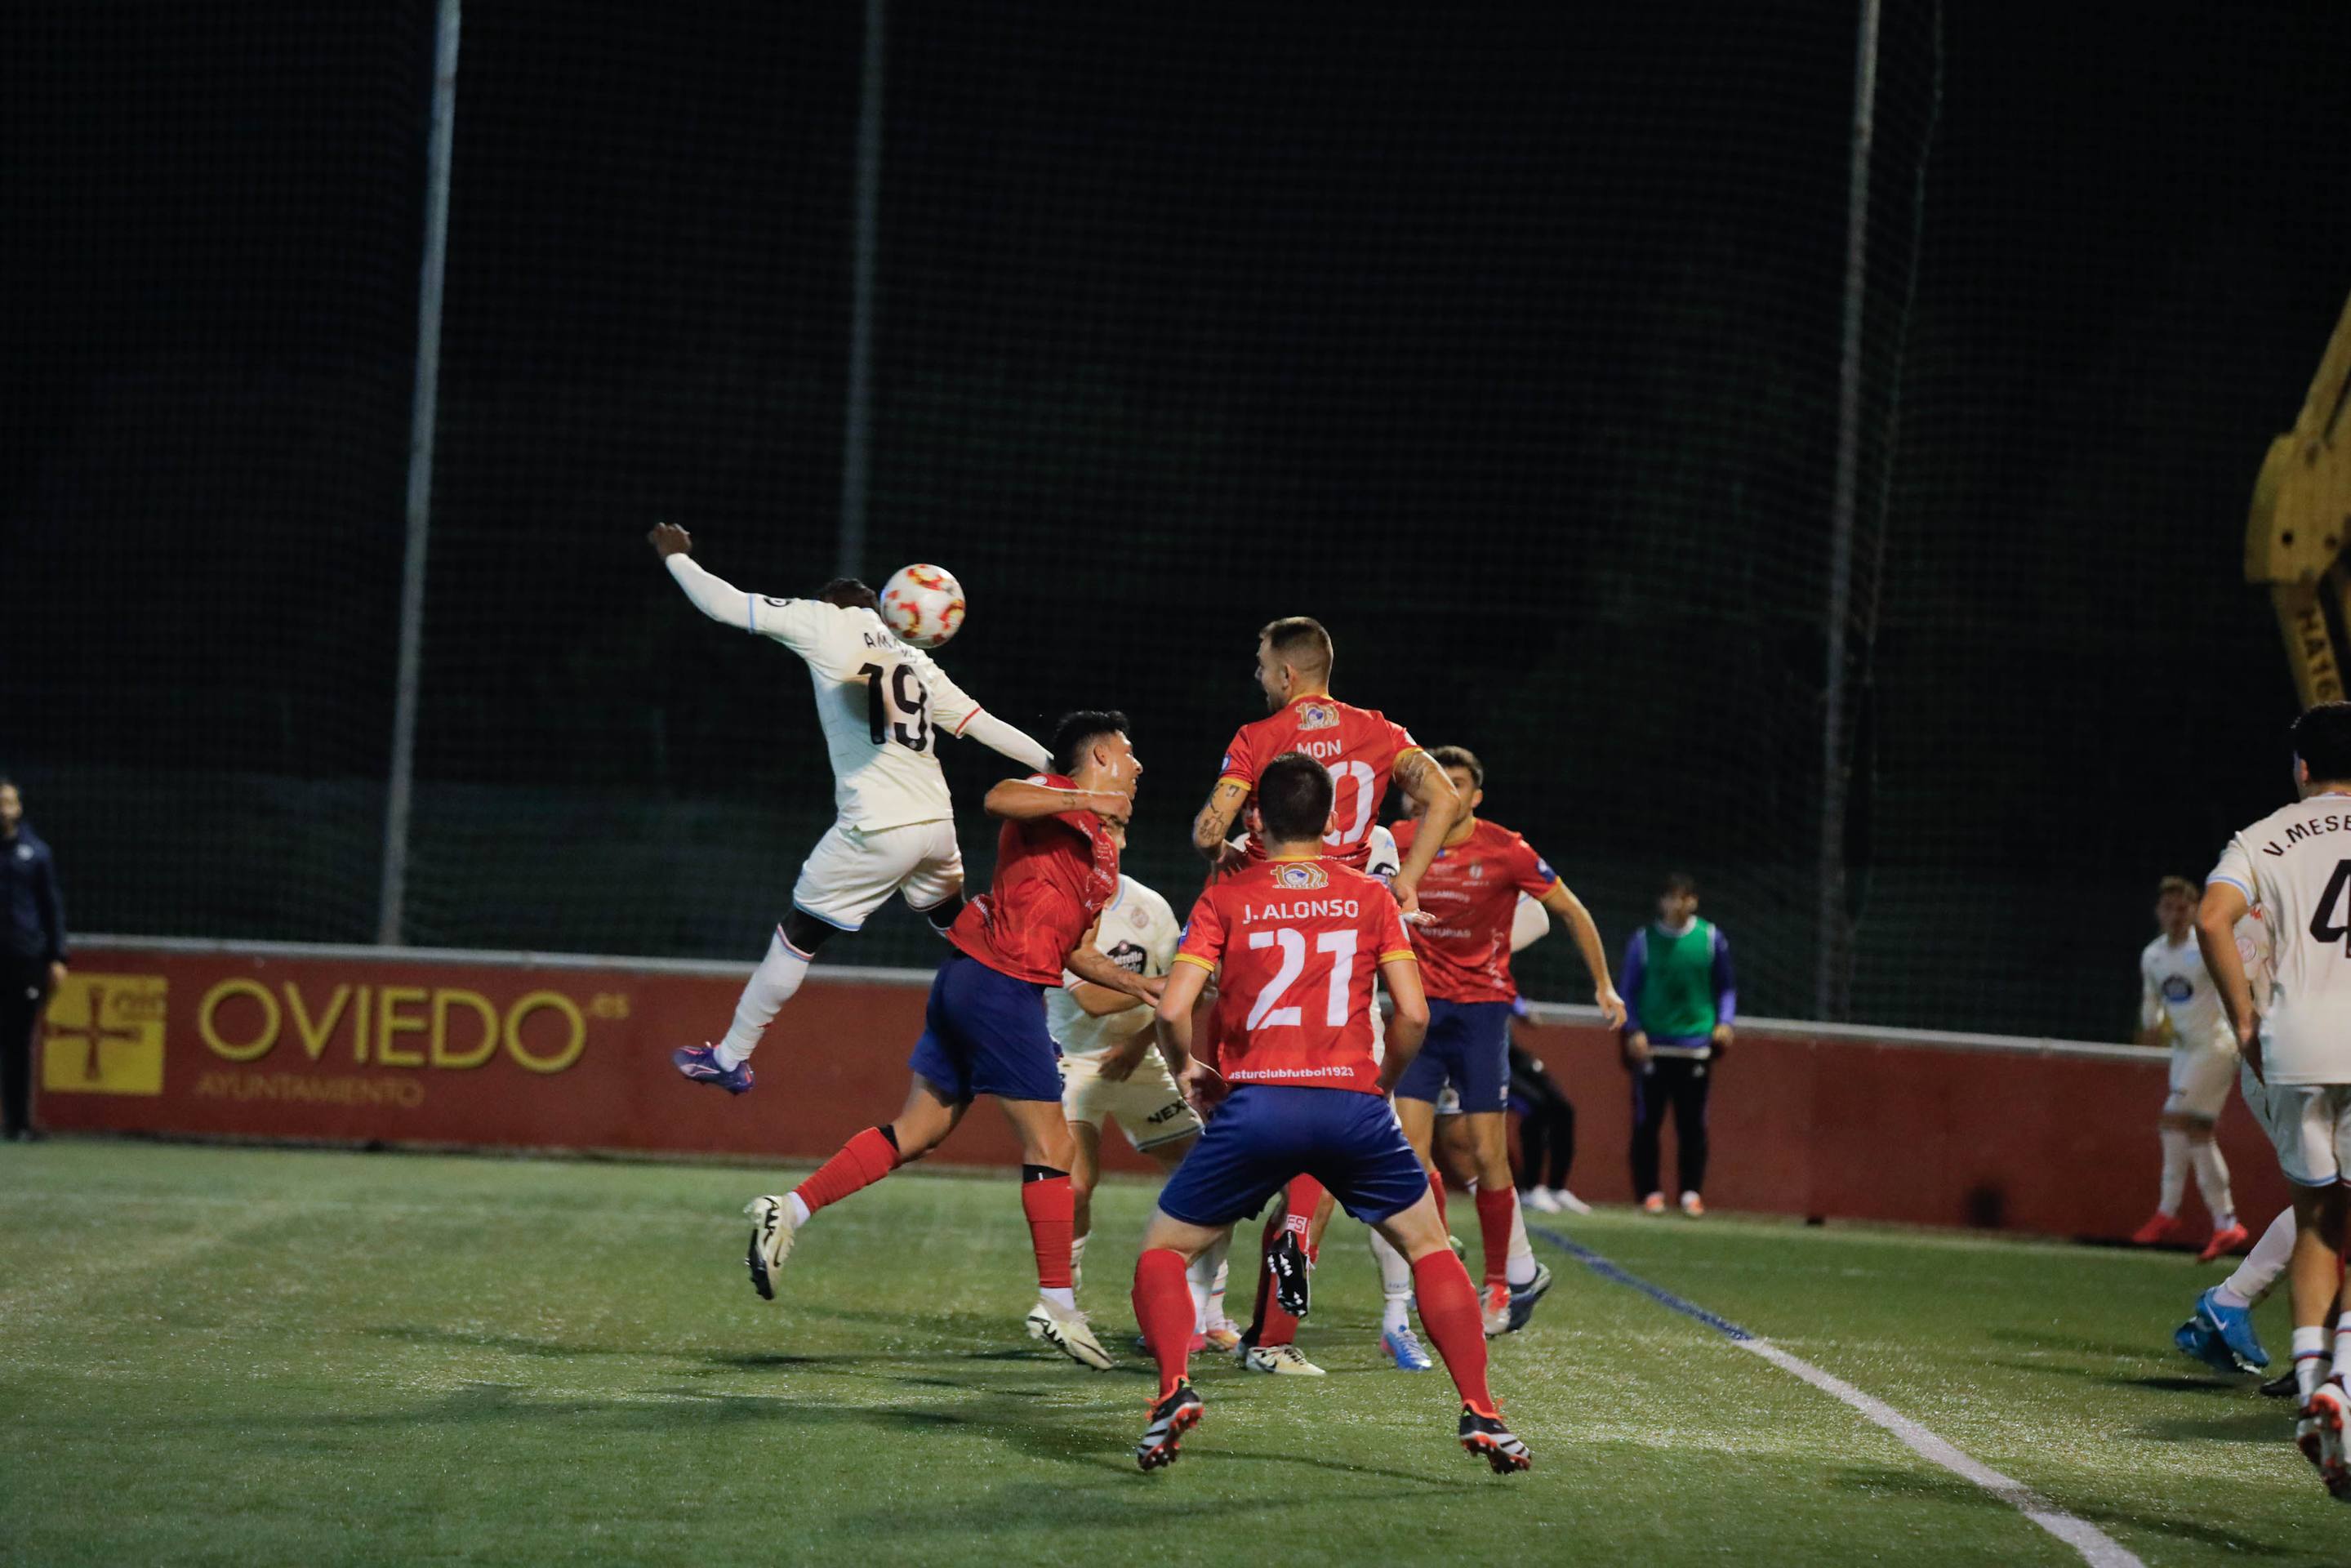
(1305, 909)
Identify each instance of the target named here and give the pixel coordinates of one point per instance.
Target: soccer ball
(923, 604)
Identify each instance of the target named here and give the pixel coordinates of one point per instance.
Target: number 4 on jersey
(2324, 914)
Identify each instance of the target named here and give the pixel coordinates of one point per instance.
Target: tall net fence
(1511, 350)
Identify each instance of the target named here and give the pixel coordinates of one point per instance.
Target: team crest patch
(1301, 875)
(1317, 715)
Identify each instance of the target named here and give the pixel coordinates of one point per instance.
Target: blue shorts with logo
(984, 1033)
(1469, 1044)
(1266, 1133)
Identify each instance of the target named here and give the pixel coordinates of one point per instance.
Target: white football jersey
(1138, 933)
(882, 705)
(2295, 866)
(2173, 985)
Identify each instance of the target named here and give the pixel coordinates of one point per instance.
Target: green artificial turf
(243, 1356)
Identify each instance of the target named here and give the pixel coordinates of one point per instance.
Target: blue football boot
(1404, 1346)
(700, 1064)
(2221, 1337)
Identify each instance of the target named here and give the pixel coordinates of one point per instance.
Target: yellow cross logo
(103, 1034)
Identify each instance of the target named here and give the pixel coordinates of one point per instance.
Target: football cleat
(2231, 1328)
(1693, 1206)
(1173, 1416)
(1222, 1338)
(1483, 1434)
(1404, 1346)
(1292, 1291)
(1570, 1202)
(700, 1064)
(1654, 1204)
(1540, 1200)
(1524, 1297)
(2319, 1435)
(772, 1233)
(2226, 1239)
(1494, 1304)
(1281, 1360)
(2284, 1385)
(2158, 1229)
(1069, 1334)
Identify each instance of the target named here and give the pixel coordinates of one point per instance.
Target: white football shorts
(1149, 1107)
(2200, 1076)
(2309, 1123)
(850, 872)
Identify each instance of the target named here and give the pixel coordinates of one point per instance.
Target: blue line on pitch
(1657, 1294)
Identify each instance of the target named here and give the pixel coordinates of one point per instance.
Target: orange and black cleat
(1483, 1434)
(1170, 1419)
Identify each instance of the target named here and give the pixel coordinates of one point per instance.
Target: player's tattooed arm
(1561, 900)
(2216, 933)
(1017, 800)
(1421, 778)
(1215, 823)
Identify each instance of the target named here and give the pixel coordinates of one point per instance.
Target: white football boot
(1281, 1360)
(773, 1231)
(1069, 1334)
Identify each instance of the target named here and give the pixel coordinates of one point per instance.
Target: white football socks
(771, 985)
(1077, 1259)
(2175, 1170)
(799, 1208)
(1521, 1268)
(1207, 1277)
(2343, 1352)
(2213, 1181)
(2258, 1275)
(2310, 1366)
(1395, 1283)
(1060, 1296)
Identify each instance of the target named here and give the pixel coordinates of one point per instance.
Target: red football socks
(862, 1161)
(1495, 1212)
(1163, 1307)
(1448, 1311)
(1047, 1203)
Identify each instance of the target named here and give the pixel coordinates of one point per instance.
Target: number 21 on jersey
(1341, 944)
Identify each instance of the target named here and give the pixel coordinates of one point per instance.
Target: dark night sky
(1507, 347)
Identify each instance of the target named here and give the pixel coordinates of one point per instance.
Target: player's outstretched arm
(1421, 778)
(964, 719)
(1019, 801)
(1408, 1025)
(1561, 900)
(2216, 933)
(714, 596)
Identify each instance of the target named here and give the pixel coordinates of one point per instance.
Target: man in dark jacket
(32, 955)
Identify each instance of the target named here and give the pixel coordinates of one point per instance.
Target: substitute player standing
(883, 705)
(984, 1026)
(1470, 895)
(1361, 751)
(2295, 865)
(2177, 999)
(1297, 938)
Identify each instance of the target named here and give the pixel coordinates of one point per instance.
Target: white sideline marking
(2096, 1547)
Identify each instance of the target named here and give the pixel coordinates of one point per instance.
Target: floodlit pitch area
(261, 1357)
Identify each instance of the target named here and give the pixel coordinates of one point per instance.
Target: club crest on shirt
(1138, 918)
(1317, 715)
(1301, 876)
(2177, 988)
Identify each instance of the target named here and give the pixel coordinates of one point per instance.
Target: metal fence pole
(1833, 974)
(421, 415)
(856, 442)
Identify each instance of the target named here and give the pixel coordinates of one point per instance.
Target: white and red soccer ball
(923, 604)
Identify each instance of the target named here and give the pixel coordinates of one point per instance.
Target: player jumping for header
(1361, 751)
(884, 705)
(984, 1028)
(1299, 936)
(1471, 896)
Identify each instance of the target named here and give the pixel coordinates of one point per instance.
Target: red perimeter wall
(347, 1045)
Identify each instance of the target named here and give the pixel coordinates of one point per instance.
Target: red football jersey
(1299, 942)
(1054, 874)
(1472, 888)
(1359, 747)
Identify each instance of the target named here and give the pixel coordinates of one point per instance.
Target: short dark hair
(1300, 640)
(1681, 882)
(2171, 884)
(1079, 730)
(849, 594)
(1293, 798)
(2322, 739)
(1461, 757)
